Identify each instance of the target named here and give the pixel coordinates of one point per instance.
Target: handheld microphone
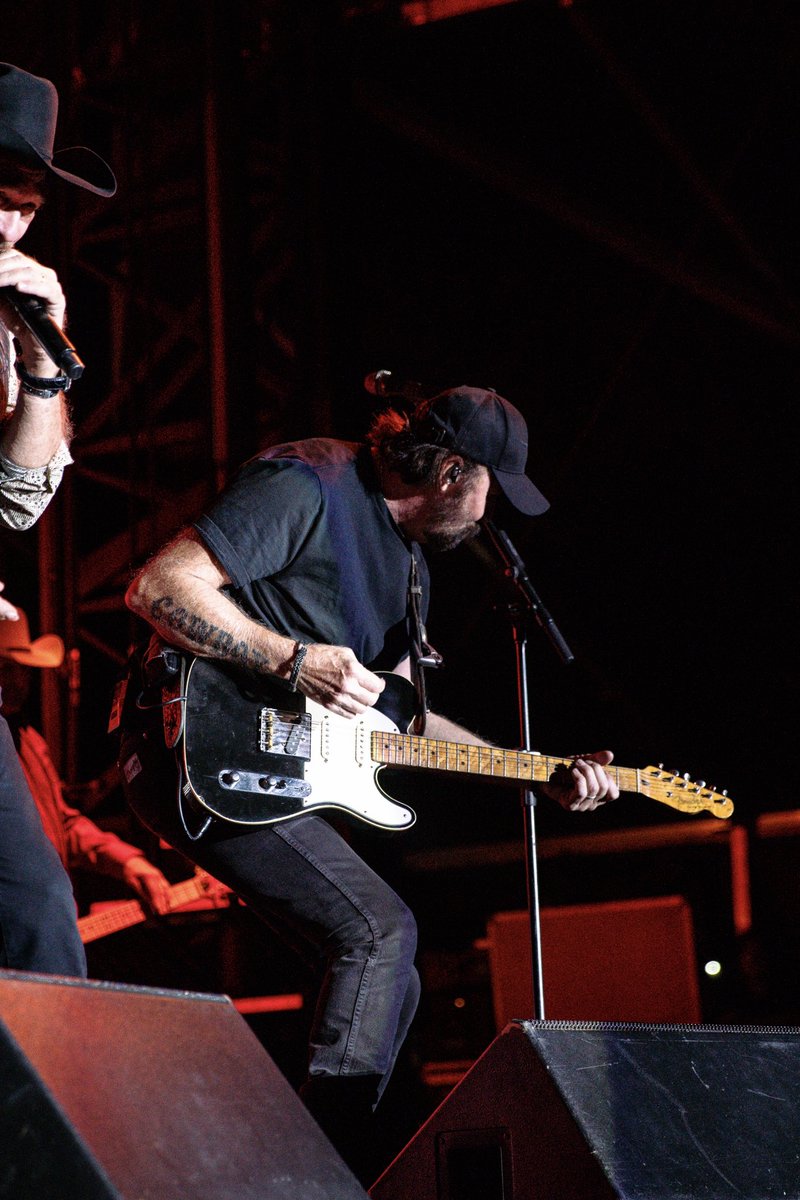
(49, 335)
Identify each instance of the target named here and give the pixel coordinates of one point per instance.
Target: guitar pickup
(287, 733)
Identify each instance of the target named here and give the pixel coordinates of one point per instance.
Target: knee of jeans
(56, 898)
(49, 909)
(389, 926)
(413, 993)
(400, 929)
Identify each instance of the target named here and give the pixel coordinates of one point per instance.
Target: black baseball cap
(483, 426)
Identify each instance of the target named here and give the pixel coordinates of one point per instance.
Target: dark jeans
(315, 892)
(38, 930)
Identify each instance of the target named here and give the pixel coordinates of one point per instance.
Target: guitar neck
(123, 916)
(488, 762)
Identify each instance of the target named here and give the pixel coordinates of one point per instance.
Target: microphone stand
(528, 603)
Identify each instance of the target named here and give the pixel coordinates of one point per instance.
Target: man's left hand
(585, 785)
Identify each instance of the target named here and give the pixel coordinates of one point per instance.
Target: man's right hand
(31, 279)
(334, 678)
(7, 610)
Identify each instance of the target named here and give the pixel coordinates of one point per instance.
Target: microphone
(50, 336)
(516, 571)
(381, 384)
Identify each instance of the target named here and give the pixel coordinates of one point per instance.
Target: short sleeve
(263, 519)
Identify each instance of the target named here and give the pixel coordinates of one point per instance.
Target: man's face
(19, 204)
(447, 520)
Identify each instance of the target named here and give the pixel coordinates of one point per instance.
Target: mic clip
(382, 384)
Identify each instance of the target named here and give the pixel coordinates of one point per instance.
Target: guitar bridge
(286, 733)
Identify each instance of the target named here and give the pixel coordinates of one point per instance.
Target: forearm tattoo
(204, 636)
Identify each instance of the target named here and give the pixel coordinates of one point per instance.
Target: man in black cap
(37, 911)
(309, 569)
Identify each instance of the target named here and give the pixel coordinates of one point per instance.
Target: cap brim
(520, 492)
(47, 651)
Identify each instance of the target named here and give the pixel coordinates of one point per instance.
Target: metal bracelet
(299, 656)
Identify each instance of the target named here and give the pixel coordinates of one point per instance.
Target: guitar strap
(155, 687)
(422, 653)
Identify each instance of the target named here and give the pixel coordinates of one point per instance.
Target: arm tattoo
(204, 636)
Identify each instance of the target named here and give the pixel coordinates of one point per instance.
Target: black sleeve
(261, 521)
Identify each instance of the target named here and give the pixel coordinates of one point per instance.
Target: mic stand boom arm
(516, 571)
(529, 603)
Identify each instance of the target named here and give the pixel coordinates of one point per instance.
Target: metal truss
(187, 308)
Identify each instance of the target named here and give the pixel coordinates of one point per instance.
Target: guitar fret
(407, 750)
(460, 757)
(397, 749)
(123, 916)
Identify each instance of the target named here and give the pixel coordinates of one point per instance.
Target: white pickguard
(342, 772)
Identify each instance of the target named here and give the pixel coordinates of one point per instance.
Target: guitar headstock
(678, 791)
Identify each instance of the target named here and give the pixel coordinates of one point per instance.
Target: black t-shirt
(312, 551)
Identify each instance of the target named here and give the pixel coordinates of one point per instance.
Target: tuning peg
(701, 783)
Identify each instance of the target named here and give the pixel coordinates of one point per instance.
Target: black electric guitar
(255, 753)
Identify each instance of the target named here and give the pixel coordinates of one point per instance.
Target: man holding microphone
(38, 929)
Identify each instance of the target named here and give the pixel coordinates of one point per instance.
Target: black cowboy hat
(28, 112)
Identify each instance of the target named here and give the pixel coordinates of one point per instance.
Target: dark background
(588, 209)
(591, 209)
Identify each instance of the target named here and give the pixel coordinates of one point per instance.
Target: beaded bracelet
(35, 385)
(299, 656)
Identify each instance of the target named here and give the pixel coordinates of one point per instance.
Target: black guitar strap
(422, 653)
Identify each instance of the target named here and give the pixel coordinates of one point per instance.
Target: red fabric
(79, 842)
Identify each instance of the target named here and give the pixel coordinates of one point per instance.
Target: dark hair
(15, 171)
(400, 448)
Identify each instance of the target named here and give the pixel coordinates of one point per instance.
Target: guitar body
(255, 753)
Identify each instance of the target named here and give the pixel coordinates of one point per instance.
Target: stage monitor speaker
(599, 1111)
(626, 960)
(109, 1091)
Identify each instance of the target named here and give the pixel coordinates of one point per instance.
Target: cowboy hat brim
(71, 160)
(46, 651)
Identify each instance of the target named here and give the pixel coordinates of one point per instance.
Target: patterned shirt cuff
(25, 492)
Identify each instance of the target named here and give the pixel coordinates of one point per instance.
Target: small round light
(460, 1002)
(713, 967)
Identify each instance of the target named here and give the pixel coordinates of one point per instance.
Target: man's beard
(438, 540)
